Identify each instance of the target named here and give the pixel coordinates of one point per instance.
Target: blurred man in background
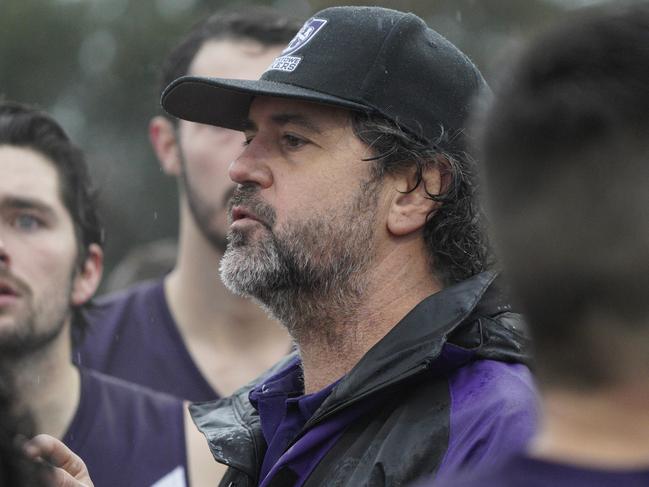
(566, 152)
(354, 222)
(50, 266)
(187, 334)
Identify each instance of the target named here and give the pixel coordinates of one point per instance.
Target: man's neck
(600, 429)
(48, 385)
(395, 288)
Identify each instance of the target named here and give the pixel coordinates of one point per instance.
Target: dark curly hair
(454, 235)
(25, 126)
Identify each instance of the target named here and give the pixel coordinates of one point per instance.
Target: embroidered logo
(308, 31)
(285, 63)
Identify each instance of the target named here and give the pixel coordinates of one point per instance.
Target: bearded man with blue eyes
(50, 266)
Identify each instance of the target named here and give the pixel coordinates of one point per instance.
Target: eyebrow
(22, 203)
(286, 118)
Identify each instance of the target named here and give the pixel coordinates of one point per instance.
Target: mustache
(247, 195)
(18, 285)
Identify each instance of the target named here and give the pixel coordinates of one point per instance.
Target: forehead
(27, 173)
(237, 59)
(324, 117)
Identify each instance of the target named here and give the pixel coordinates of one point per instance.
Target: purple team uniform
(132, 335)
(128, 436)
(523, 471)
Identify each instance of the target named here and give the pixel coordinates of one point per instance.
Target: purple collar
(283, 411)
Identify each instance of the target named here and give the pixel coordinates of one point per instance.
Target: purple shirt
(522, 471)
(128, 436)
(132, 335)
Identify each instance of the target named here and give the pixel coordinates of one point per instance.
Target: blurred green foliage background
(93, 64)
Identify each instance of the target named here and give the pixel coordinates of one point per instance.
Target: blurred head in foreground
(566, 154)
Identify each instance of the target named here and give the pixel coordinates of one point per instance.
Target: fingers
(61, 478)
(70, 471)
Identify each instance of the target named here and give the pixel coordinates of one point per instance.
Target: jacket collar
(420, 341)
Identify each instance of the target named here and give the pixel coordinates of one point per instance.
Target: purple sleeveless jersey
(132, 335)
(523, 471)
(127, 435)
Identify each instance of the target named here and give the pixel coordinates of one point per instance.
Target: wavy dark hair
(25, 126)
(457, 244)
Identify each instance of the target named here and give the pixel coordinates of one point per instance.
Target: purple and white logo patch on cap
(310, 28)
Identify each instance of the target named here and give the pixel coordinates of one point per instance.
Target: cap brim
(225, 102)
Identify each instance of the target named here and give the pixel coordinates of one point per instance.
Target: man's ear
(87, 279)
(411, 205)
(162, 136)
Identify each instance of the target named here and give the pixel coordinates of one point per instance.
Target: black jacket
(406, 377)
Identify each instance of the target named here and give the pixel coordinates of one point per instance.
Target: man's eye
(28, 222)
(293, 142)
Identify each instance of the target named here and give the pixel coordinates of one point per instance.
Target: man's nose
(251, 167)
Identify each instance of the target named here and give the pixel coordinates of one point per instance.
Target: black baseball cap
(362, 58)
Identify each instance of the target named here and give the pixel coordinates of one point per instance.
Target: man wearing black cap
(354, 223)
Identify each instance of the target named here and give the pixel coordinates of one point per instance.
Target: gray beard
(310, 275)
